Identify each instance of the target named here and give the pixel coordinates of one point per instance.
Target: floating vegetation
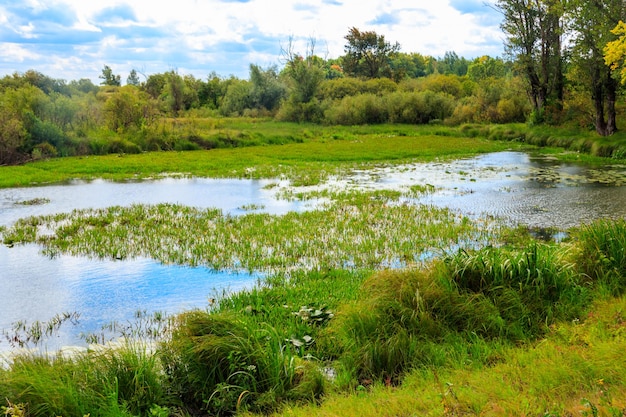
(252, 207)
(34, 202)
(359, 230)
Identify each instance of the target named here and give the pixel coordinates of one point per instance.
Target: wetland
(109, 249)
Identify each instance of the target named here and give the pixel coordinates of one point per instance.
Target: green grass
(534, 316)
(577, 367)
(325, 150)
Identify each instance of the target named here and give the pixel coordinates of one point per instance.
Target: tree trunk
(611, 97)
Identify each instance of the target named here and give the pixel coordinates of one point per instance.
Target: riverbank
(289, 149)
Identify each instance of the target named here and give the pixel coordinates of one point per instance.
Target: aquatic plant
(363, 231)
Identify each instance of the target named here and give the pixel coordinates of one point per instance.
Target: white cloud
(16, 53)
(226, 36)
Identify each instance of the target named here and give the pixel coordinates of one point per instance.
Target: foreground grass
(576, 370)
(529, 329)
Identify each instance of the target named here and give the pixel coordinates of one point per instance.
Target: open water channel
(535, 191)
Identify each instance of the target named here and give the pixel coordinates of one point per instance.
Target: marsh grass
(219, 363)
(600, 252)
(364, 232)
(311, 154)
(575, 368)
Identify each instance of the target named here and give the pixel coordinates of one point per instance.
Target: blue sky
(73, 39)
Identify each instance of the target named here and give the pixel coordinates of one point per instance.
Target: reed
(600, 252)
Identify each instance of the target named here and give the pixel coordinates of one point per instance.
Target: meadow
(371, 306)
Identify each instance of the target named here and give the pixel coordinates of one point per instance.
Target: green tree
(12, 134)
(304, 75)
(368, 54)
(486, 67)
(174, 92)
(267, 90)
(84, 85)
(592, 23)
(533, 30)
(212, 92)
(133, 78)
(451, 63)
(125, 108)
(108, 78)
(237, 99)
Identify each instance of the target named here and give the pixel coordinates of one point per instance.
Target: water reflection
(35, 287)
(230, 195)
(538, 192)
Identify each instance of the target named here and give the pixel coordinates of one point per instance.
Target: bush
(219, 363)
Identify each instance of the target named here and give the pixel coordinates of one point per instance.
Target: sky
(74, 39)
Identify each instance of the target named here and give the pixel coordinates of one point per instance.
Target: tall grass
(114, 382)
(407, 319)
(218, 364)
(601, 253)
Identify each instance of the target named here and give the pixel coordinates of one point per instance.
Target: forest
(563, 66)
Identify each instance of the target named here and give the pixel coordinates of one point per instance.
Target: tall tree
(267, 91)
(592, 22)
(108, 78)
(368, 54)
(303, 75)
(533, 30)
(133, 78)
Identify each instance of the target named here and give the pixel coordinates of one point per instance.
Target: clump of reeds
(456, 311)
(601, 253)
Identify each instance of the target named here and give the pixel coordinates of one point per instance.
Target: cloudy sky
(73, 39)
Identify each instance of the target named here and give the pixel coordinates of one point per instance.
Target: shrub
(220, 363)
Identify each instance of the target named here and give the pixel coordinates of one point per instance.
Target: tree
(133, 78)
(368, 54)
(615, 51)
(592, 23)
(304, 75)
(267, 90)
(486, 67)
(125, 108)
(452, 64)
(533, 29)
(108, 78)
(212, 92)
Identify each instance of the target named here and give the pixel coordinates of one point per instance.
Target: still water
(534, 191)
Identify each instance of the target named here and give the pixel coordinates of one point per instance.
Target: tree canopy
(368, 54)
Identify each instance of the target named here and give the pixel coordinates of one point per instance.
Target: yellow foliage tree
(615, 51)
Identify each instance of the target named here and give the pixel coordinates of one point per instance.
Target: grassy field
(310, 153)
(365, 310)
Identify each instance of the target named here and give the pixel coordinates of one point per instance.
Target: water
(232, 196)
(538, 192)
(36, 288)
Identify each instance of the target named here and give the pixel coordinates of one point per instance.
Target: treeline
(44, 117)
